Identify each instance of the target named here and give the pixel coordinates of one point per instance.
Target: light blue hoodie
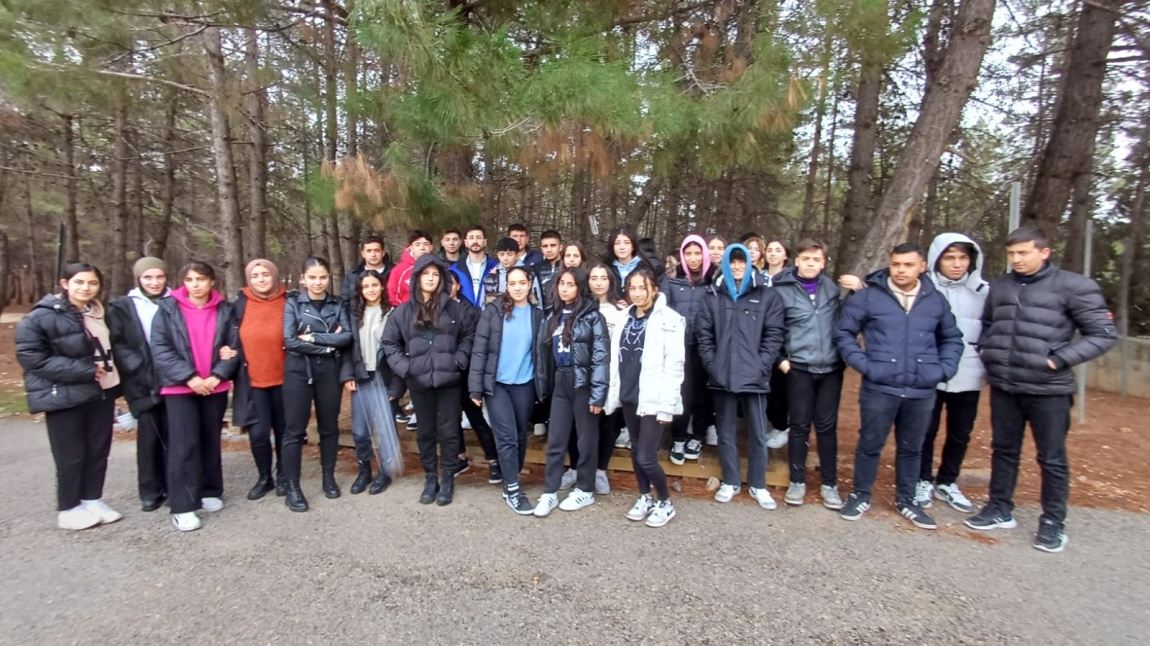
(734, 290)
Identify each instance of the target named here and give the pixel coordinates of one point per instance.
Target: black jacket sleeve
(127, 351)
(774, 328)
(480, 350)
(1095, 324)
(600, 360)
(35, 354)
(169, 363)
(395, 346)
(225, 369)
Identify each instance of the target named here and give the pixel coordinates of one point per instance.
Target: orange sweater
(262, 336)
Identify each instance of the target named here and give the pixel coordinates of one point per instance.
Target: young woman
(623, 255)
(612, 433)
(649, 366)
(194, 345)
(63, 346)
(574, 255)
(778, 411)
(716, 246)
(130, 324)
(258, 402)
(574, 367)
(366, 375)
(428, 343)
(503, 372)
(755, 247)
(316, 328)
(776, 254)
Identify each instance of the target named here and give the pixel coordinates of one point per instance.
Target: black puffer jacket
(1031, 319)
(686, 298)
(58, 357)
(172, 349)
(739, 341)
(809, 343)
(133, 356)
(485, 351)
(429, 359)
(545, 273)
(590, 353)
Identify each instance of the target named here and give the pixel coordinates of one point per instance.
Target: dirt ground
(1108, 458)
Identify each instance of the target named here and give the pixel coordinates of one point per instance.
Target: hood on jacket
(421, 263)
(180, 295)
(138, 294)
(698, 240)
(940, 244)
(728, 280)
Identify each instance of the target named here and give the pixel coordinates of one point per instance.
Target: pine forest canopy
(231, 129)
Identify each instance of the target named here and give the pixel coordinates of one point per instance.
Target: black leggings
(327, 392)
(269, 404)
(152, 454)
(646, 437)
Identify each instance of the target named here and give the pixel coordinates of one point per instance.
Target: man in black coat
(375, 256)
(1029, 351)
(912, 344)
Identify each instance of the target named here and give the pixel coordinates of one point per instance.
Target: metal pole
(1088, 262)
(1015, 206)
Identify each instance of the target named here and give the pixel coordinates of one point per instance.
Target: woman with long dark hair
(573, 366)
(63, 346)
(316, 330)
(776, 254)
(428, 343)
(612, 432)
(623, 254)
(192, 334)
(574, 255)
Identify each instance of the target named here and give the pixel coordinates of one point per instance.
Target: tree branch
(152, 79)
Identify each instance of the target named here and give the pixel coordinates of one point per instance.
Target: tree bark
(1069, 153)
(257, 160)
(331, 124)
(168, 192)
(71, 221)
(5, 270)
(1135, 237)
(233, 265)
(118, 270)
(941, 110)
(856, 208)
(816, 145)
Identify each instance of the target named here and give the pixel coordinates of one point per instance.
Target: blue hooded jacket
(737, 290)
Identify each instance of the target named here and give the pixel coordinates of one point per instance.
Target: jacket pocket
(882, 368)
(928, 372)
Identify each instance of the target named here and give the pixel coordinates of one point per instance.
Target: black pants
(814, 398)
(910, 418)
(961, 410)
(646, 437)
(778, 406)
(698, 406)
(81, 438)
(269, 404)
(480, 426)
(510, 407)
(152, 454)
(326, 392)
(609, 429)
(1049, 418)
(439, 414)
(195, 470)
(571, 411)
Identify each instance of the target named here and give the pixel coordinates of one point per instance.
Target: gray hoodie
(967, 296)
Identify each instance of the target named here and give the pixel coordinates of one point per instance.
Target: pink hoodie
(694, 239)
(201, 326)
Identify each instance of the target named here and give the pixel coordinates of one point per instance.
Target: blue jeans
(510, 407)
(911, 418)
(726, 413)
(361, 412)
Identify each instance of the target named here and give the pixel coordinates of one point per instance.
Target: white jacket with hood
(661, 367)
(967, 296)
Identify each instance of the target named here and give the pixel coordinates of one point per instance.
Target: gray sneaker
(795, 494)
(777, 439)
(831, 497)
(602, 484)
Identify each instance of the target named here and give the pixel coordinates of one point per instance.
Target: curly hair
(359, 304)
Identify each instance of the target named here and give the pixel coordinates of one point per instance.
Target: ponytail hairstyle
(315, 261)
(583, 298)
(648, 277)
(506, 304)
(359, 303)
(427, 311)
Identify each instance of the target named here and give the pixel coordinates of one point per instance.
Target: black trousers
(326, 391)
(814, 399)
(646, 436)
(698, 404)
(152, 454)
(1049, 418)
(439, 414)
(81, 438)
(269, 403)
(480, 426)
(910, 418)
(510, 407)
(609, 428)
(961, 411)
(195, 470)
(778, 406)
(571, 412)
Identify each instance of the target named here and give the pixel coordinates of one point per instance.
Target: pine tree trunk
(941, 110)
(71, 221)
(118, 270)
(331, 125)
(257, 160)
(233, 265)
(816, 146)
(168, 192)
(856, 209)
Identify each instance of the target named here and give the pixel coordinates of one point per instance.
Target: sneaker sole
(691, 457)
(678, 462)
(640, 518)
(1011, 524)
(77, 528)
(535, 512)
(850, 518)
(793, 503)
(580, 506)
(493, 481)
(966, 509)
(1052, 550)
(830, 505)
(665, 521)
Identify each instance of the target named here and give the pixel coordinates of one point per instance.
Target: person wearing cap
(495, 282)
(130, 326)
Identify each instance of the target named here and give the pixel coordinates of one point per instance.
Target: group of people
(593, 352)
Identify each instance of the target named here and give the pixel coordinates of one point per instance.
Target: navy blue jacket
(907, 353)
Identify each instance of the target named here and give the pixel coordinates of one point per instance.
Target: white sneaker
(77, 518)
(831, 497)
(412, 422)
(726, 492)
(602, 484)
(763, 497)
(577, 500)
(540, 430)
(570, 477)
(211, 504)
(922, 493)
(777, 439)
(795, 494)
(624, 440)
(547, 503)
(642, 508)
(950, 494)
(662, 514)
(104, 512)
(187, 521)
(465, 423)
(712, 436)
(409, 407)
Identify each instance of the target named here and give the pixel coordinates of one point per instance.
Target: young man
(912, 344)
(528, 257)
(399, 282)
(546, 271)
(450, 244)
(474, 267)
(740, 333)
(1029, 351)
(955, 263)
(374, 256)
(813, 369)
(495, 282)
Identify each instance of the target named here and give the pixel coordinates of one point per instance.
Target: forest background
(226, 130)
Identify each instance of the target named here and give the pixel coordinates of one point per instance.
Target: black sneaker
(677, 452)
(855, 507)
(916, 515)
(412, 422)
(519, 503)
(463, 467)
(496, 474)
(1050, 537)
(989, 518)
(401, 418)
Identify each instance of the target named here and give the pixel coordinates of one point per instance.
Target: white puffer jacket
(661, 368)
(967, 296)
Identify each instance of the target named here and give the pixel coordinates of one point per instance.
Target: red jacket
(399, 280)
